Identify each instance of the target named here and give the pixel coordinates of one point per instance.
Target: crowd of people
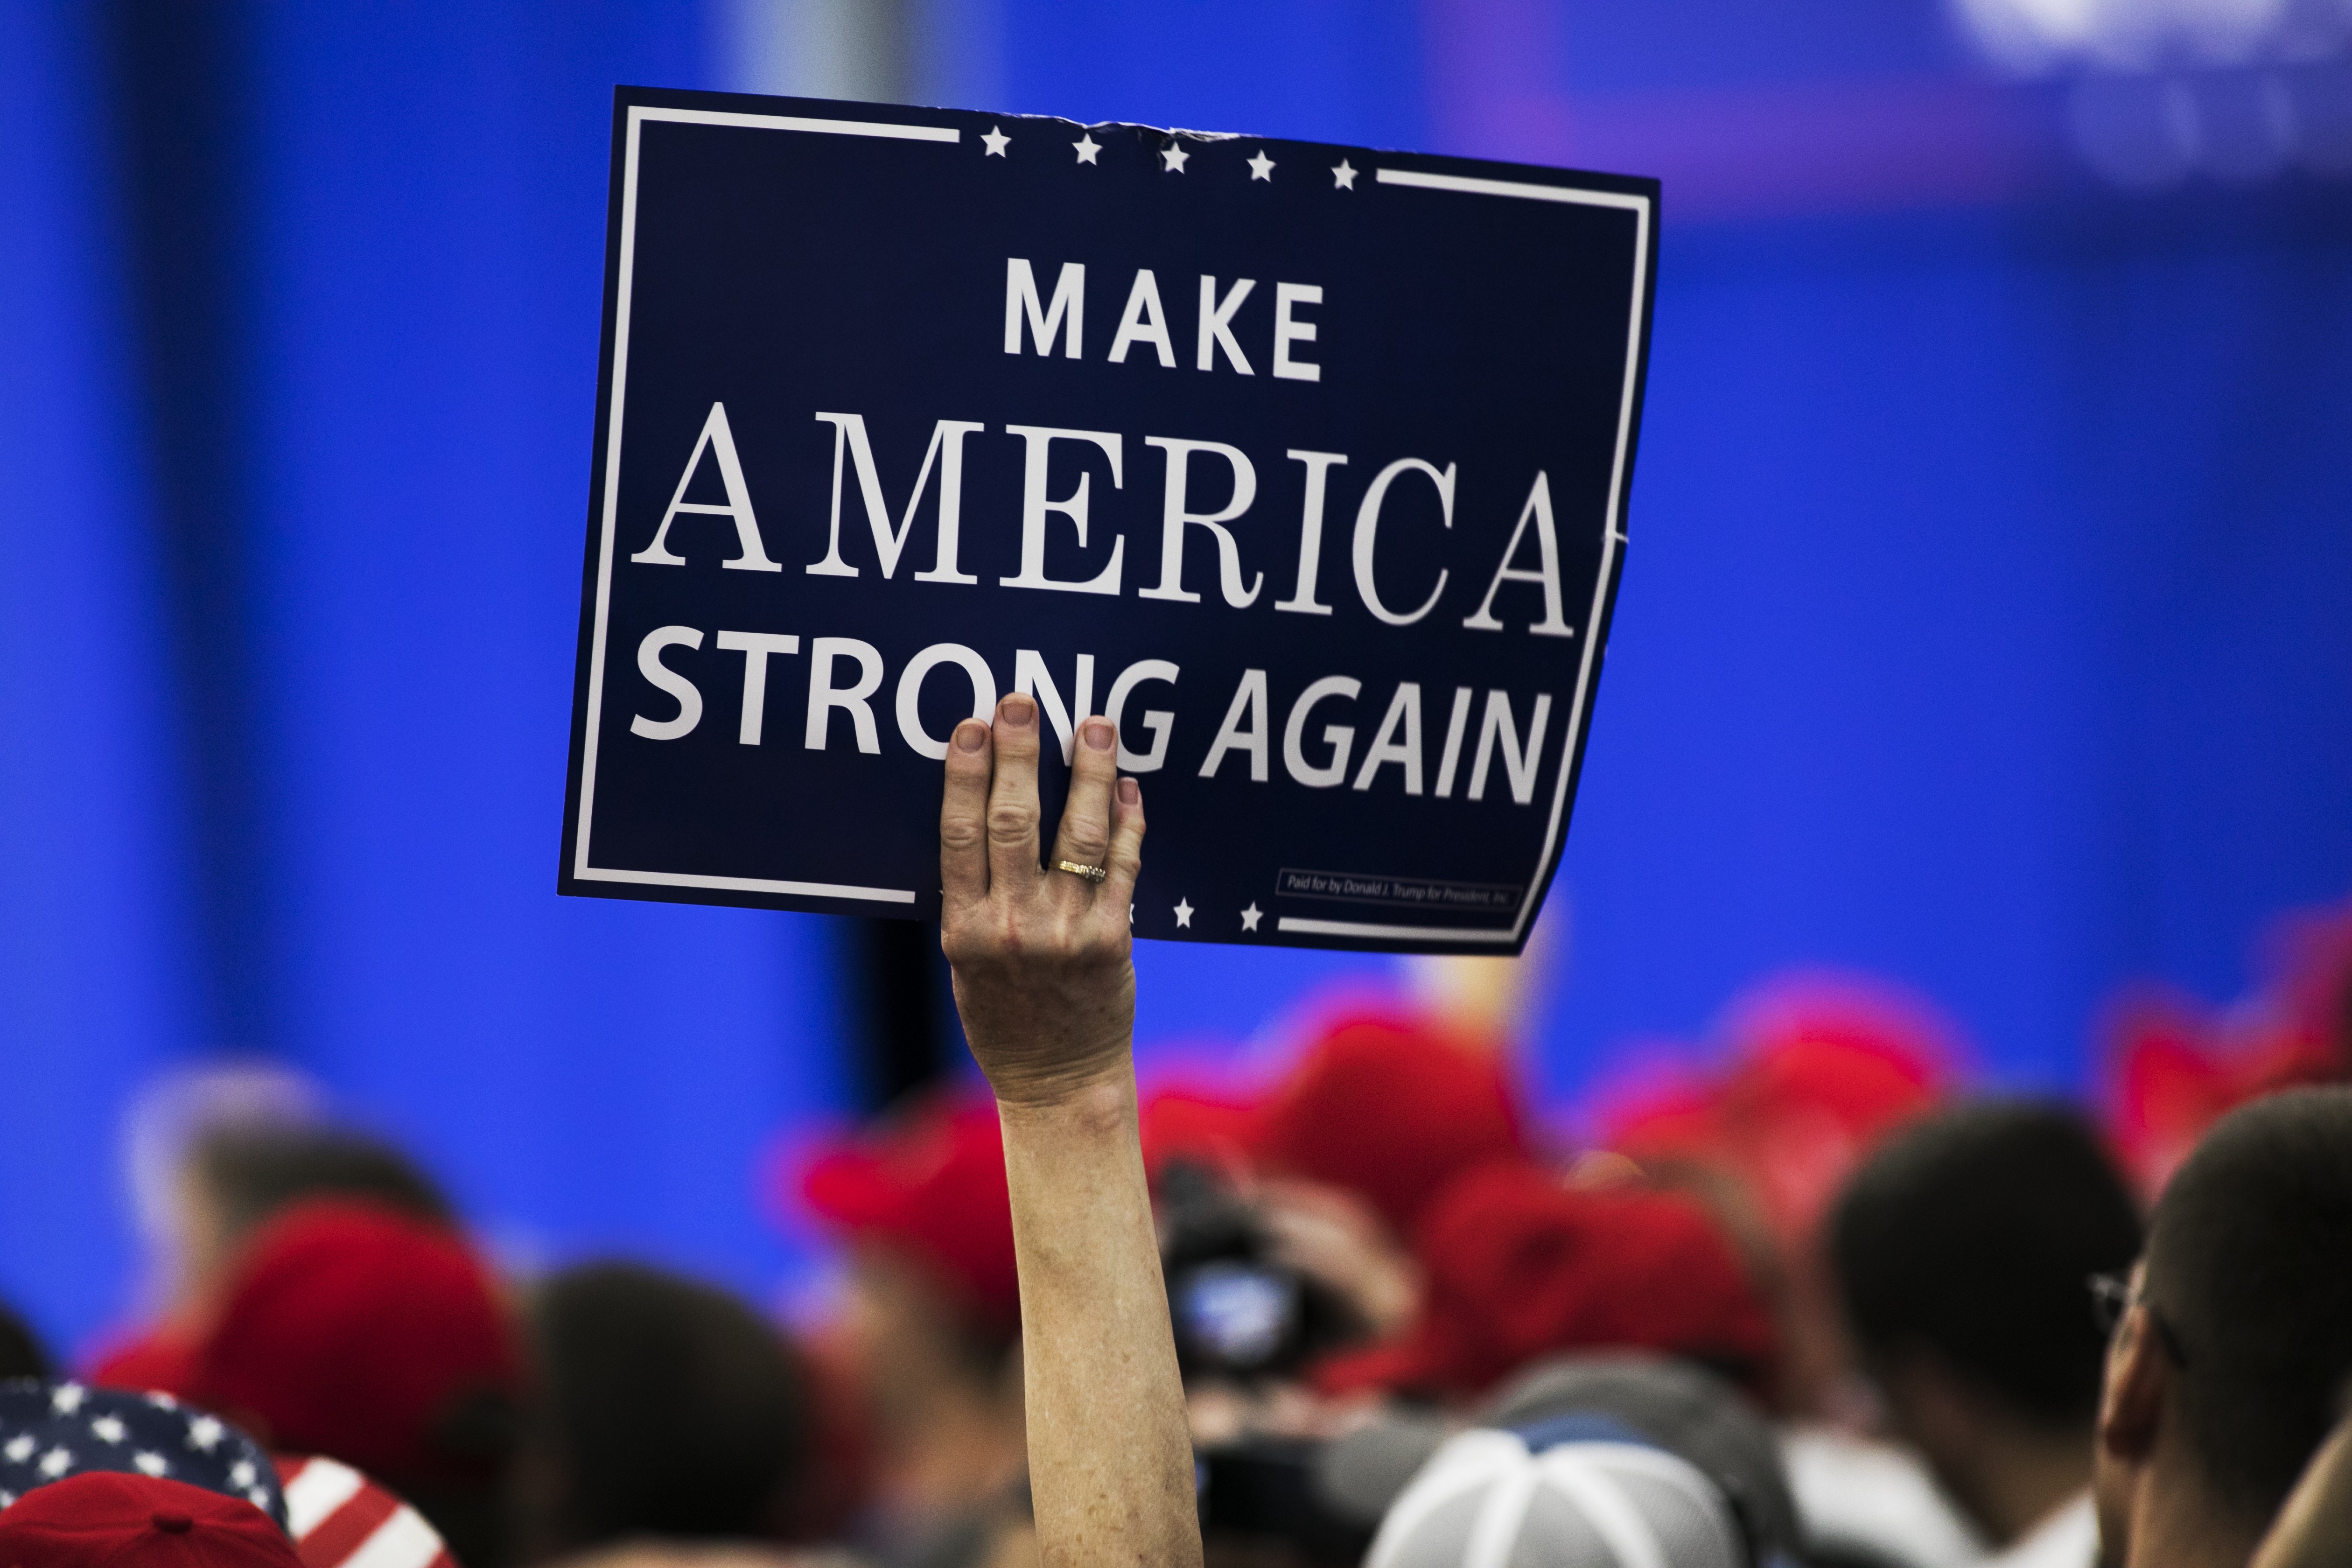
(1823, 1308)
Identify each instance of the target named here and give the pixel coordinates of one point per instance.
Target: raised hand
(1043, 976)
(1046, 987)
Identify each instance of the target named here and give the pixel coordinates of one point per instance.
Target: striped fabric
(340, 1518)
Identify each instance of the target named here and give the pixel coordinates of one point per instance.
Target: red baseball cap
(931, 1183)
(108, 1519)
(2176, 1066)
(1389, 1108)
(1520, 1264)
(353, 1331)
(1206, 1127)
(157, 1358)
(1823, 1066)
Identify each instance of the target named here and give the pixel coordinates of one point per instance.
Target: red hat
(1204, 1127)
(1521, 1265)
(930, 1184)
(1389, 1109)
(1823, 1066)
(355, 1331)
(2176, 1066)
(157, 1358)
(124, 1521)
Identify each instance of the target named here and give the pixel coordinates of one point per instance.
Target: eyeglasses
(2112, 1296)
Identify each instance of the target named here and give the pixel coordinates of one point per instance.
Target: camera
(1238, 1311)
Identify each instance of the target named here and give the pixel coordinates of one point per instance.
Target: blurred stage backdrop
(1988, 623)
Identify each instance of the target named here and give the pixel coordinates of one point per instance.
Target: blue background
(1983, 623)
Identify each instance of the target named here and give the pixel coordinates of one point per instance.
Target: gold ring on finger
(1091, 873)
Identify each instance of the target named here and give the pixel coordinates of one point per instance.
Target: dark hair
(1973, 1235)
(21, 1351)
(672, 1409)
(253, 1172)
(2249, 1262)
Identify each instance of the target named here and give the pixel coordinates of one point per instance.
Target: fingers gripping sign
(1044, 977)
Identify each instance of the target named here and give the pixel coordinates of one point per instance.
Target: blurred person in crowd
(1389, 1108)
(2176, 1066)
(50, 1431)
(1618, 1397)
(231, 1177)
(668, 1412)
(22, 1354)
(353, 1331)
(1583, 1462)
(336, 1517)
(929, 1332)
(2314, 1530)
(2232, 1339)
(1819, 1070)
(1962, 1248)
(1522, 1264)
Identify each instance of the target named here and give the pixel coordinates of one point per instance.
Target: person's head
(22, 1354)
(235, 1177)
(1597, 1501)
(1962, 1249)
(933, 1304)
(2237, 1335)
(50, 1431)
(1520, 1264)
(350, 1331)
(1390, 1110)
(668, 1409)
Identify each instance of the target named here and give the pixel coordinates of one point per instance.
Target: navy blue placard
(1305, 463)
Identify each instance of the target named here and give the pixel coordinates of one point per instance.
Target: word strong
(1306, 466)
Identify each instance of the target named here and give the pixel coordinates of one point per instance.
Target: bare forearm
(1046, 990)
(1110, 1462)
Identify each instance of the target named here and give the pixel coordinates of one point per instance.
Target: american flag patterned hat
(50, 1431)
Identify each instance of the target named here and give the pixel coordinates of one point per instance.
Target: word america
(1245, 738)
(852, 450)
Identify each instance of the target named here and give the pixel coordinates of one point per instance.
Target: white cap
(1485, 1500)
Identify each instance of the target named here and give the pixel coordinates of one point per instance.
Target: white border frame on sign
(1612, 537)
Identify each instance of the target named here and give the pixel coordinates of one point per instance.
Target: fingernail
(970, 735)
(1018, 711)
(1098, 732)
(1129, 793)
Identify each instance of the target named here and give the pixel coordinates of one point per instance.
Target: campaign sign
(1306, 465)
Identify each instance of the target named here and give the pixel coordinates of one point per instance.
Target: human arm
(1045, 986)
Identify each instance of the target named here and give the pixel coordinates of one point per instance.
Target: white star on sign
(152, 1463)
(19, 1448)
(996, 140)
(1172, 158)
(1087, 147)
(68, 1398)
(242, 1474)
(1251, 916)
(56, 1463)
(205, 1432)
(1262, 167)
(1184, 914)
(107, 1429)
(1343, 176)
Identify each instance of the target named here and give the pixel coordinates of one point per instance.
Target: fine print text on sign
(1307, 465)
